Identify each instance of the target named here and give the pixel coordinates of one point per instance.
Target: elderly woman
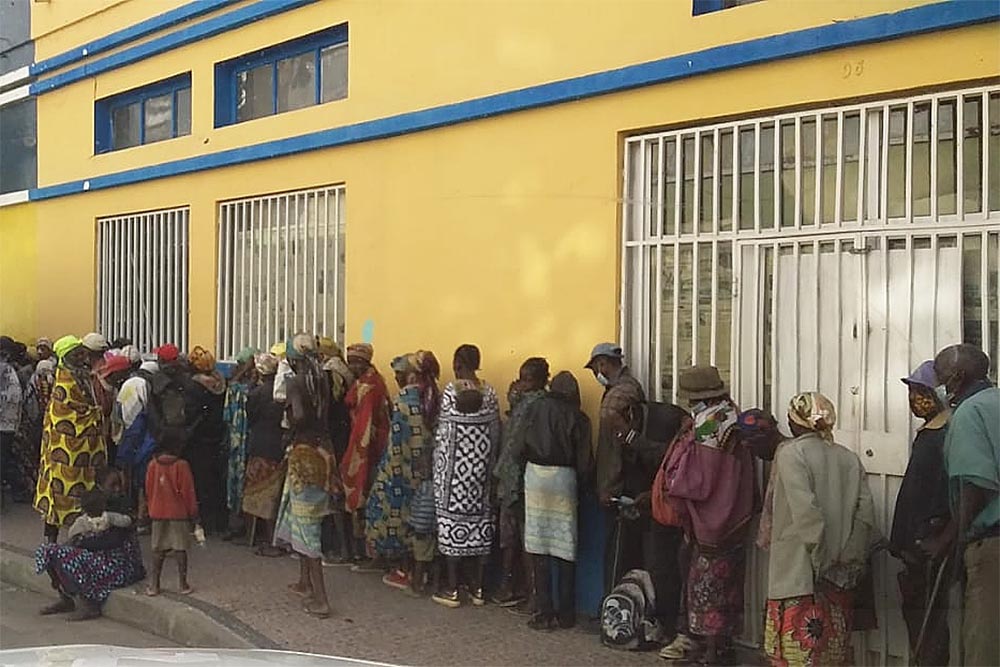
(468, 434)
(712, 487)
(265, 472)
(823, 523)
(312, 483)
(234, 413)
(414, 410)
(204, 398)
(73, 446)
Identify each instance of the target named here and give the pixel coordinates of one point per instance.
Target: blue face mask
(603, 379)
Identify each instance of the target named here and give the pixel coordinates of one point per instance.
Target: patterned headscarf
(361, 351)
(328, 347)
(43, 342)
(65, 345)
(300, 345)
(814, 411)
(425, 366)
(201, 360)
(266, 363)
(756, 421)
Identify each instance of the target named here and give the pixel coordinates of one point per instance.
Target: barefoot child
(173, 509)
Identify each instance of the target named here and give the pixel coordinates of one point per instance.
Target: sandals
(314, 612)
(681, 648)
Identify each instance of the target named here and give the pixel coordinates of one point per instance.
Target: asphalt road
(21, 626)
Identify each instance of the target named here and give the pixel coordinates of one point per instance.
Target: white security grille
(875, 166)
(831, 249)
(281, 268)
(142, 262)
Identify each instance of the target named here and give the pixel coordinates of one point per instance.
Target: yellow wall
(406, 56)
(19, 287)
(503, 232)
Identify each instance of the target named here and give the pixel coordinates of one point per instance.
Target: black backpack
(167, 403)
(654, 426)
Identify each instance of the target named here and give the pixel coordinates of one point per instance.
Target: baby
(95, 518)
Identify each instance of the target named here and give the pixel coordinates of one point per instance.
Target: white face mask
(942, 393)
(603, 379)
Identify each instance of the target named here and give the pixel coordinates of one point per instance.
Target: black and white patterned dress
(464, 450)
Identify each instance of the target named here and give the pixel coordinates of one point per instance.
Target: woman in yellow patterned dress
(73, 446)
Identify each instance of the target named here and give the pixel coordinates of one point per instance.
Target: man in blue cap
(921, 514)
(623, 398)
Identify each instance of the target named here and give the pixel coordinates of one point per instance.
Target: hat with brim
(923, 376)
(610, 350)
(699, 383)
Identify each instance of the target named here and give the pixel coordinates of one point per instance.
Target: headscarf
(65, 345)
(131, 352)
(361, 351)
(246, 355)
(43, 342)
(755, 421)
(95, 342)
(299, 346)
(278, 349)
(327, 347)
(46, 366)
(341, 377)
(814, 411)
(201, 360)
(150, 366)
(114, 364)
(266, 363)
(425, 366)
(167, 352)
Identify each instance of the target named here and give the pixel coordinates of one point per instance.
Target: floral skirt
(715, 592)
(809, 630)
(262, 487)
(92, 574)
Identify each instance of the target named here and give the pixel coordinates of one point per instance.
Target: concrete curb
(183, 620)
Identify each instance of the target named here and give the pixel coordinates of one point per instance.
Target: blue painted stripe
(213, 26)
(191, 10)
(941, 16)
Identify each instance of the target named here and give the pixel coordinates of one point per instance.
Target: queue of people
(306, 449)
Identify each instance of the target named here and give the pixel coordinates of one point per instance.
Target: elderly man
(972, 459)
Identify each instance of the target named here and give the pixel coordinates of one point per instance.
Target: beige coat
(823, 517)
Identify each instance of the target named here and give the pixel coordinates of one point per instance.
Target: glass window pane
(182, 110)
(685, 306)
(829, 169)
(255, 93)
(726, 180)
(809, 171)
(724, 317)
(687, 194)
(788, 173)
(896, 195)
(972, 155)
(667, 324)
(972, 290)
(706, 203)
(705, 290)
(125, 130)
(852, 149)
(921, 181)
(767, 176)
(297, 82)
(652, 203)
(333, 63)
(994, 148)
(158, 118)
(946, 159)
(670, 185)
(747, 140)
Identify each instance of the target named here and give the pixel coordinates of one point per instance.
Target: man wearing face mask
(972, 459)
(623, 398)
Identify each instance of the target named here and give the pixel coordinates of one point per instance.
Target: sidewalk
(371, 621)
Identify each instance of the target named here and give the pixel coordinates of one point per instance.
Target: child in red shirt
(173, 509)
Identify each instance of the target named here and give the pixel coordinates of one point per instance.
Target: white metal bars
(281, 268)
(143, 277)
(920, 160)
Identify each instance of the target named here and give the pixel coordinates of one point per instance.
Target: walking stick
(930, 605)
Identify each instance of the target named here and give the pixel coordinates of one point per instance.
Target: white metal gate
(831, 249)
(281, 268)
(142, 282)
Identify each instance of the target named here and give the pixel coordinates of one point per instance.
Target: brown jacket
(621, 400)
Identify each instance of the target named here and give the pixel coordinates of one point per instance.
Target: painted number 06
(852, 68)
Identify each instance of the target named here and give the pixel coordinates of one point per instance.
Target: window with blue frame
(302, 72)
(707, 6)
(145, 115)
